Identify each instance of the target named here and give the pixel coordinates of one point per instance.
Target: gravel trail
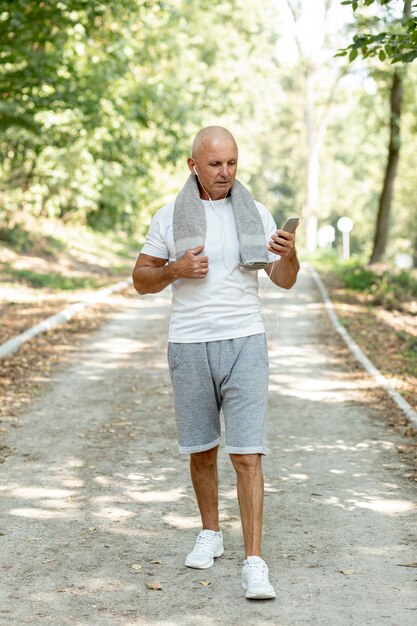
(96, 503)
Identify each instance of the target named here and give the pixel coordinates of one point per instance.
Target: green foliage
(359, 278)
(54, 281)
(23, 240)
(395, 40)
(382, 286)
(100, 99)
(355, 3)
(17, 237)
(391, 289)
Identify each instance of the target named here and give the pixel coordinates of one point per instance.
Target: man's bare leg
(250, 492)
(203, 469)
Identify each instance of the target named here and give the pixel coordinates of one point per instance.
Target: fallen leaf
(154, 586)
(411, 564)
(92, 528)
(155, 562)
(48, 560)
(205, 583)
(136, 566)
(347, 572)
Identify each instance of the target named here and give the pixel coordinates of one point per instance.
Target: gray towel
(189, 224)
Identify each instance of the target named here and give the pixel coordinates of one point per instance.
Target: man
(205, 245)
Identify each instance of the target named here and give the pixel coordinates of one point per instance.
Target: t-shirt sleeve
(155, 243)
(270, 229)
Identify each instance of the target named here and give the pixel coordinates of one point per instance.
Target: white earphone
(195, 171)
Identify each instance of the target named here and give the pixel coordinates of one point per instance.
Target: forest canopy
(100, 101)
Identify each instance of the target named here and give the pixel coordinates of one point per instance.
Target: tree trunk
(385, 199)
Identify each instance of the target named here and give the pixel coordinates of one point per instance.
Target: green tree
(395, 37)
(99, 99)
(309, 83)
(383, 44)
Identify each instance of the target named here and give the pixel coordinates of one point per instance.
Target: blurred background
(100, 101)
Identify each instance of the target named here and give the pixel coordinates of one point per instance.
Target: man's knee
(205, 458)
(246, 463)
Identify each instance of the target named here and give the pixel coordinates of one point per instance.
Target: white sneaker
(255, 579)
(208, 546)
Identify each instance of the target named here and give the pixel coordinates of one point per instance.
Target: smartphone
(290, 224)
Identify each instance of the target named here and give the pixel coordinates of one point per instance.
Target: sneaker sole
(267, 595)
(210, 564)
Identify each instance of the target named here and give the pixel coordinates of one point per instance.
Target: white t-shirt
(225, 304)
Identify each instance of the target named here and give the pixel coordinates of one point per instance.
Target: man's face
(216, 164)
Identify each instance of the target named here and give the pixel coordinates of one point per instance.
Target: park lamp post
(345, 225)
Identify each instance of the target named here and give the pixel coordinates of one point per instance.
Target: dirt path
(96, 502)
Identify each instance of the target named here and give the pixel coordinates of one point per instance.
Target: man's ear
(191, 166)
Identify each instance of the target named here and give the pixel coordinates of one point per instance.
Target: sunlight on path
(97, 504)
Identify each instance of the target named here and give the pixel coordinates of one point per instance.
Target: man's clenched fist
(192, 264)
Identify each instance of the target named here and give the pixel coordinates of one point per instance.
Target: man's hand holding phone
(283, 241)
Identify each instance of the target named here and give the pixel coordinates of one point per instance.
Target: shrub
(359, 278)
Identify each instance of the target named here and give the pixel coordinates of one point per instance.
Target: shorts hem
(250, 450)
(203, 448)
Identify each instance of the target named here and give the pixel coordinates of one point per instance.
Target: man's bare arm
(283, 272)
(152, 275)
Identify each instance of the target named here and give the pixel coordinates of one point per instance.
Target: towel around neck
(189, 223)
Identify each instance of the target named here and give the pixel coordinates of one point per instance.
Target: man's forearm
(284, 273)
(153, 279)
(152, 274)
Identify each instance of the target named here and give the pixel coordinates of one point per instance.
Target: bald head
(214, 161)
(212, 136)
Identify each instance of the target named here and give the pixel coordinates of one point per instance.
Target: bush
(359, 279)
(385, 286)
(388, 288)
(17, 237)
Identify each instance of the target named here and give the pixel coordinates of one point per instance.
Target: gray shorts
(230, 374)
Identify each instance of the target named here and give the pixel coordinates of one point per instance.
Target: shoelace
(203, 541)
(258, 572)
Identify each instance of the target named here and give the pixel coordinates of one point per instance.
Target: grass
(48, 237)
(23, 240)
(383, 286)
(35, 252)
(54, 281)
